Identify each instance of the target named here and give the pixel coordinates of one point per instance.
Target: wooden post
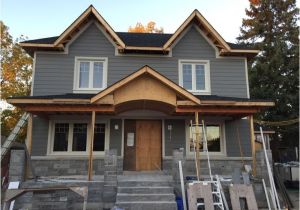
(90, 169)
(29, 134)
(28, 144)
(197, 144)
(252, 144)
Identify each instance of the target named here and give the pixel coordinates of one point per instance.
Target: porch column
(90, 166)
(252, 137)
(28, 144)
(29, 134)
(197, 145)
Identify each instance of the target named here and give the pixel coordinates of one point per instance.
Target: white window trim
(70, 138)
(78, 59)
(190, 154)
(206, 64)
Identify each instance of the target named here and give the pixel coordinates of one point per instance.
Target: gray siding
(232, 141)
(175, 138)
(39, 136)
(116, 135)
(54, 73)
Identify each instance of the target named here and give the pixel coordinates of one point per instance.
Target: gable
(92, 38)
(145, 84)
(152, 46)
(193, 44)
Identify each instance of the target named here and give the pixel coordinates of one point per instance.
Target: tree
(15, 78)
(149, 28)
(271, 26)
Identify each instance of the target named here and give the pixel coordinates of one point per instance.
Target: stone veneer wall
(69, 167)
(219, 167)
(60, 199)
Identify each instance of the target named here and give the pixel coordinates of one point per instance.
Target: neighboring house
(137, 93)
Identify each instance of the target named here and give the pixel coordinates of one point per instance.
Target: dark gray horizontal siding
(175, 138)
(115, 141)
(54, 73)
(39, 136)
(232, 128)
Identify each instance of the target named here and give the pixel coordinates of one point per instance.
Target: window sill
(87, 90)
(200, 92)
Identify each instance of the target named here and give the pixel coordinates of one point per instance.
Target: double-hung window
(90, 74)
(194, 76)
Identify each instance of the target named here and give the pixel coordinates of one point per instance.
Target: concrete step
(130, 197)
(146, 190)
(145, 183)
(148, 205)
(145, 177)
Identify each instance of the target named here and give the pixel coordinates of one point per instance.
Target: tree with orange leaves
(149, 28)
(16, 66)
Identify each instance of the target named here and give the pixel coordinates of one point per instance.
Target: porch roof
(81, 103)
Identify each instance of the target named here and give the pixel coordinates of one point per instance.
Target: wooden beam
(252, 136)
(68, 108)
(197, 129)
(28, 142)
(47, 101)
(217, 110)
(29, 134)
(185, 103)
(90, 169)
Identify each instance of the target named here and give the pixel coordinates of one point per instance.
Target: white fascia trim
(206, 63)
(247, 78)
(33, 73)
(76, 88)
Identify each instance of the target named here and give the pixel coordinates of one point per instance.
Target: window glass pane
(99, 137)
(213, 134)
(98, 75)
(84, 74)
(61, 137)
(200, 77)
(187, 76)
(79, 137)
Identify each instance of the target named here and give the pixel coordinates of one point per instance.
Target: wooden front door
(142, 145)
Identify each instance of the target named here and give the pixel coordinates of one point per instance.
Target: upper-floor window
(90, 74)
(194, 76)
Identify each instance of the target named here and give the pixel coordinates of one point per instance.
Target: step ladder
(215, 183)
(13, 135)
(203, 140)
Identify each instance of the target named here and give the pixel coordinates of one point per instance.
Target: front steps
(146, 192)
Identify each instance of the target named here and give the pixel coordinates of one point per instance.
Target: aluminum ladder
(13, 135)
(215, 184)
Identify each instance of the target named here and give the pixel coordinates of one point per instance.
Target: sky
(44, 18)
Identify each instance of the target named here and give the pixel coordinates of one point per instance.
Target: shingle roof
(226, 98)
(137, 40)
(144, 39)
(88, 96)
(48, 40)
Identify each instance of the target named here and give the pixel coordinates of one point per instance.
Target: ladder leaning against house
(219, 200)
(13, 135)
